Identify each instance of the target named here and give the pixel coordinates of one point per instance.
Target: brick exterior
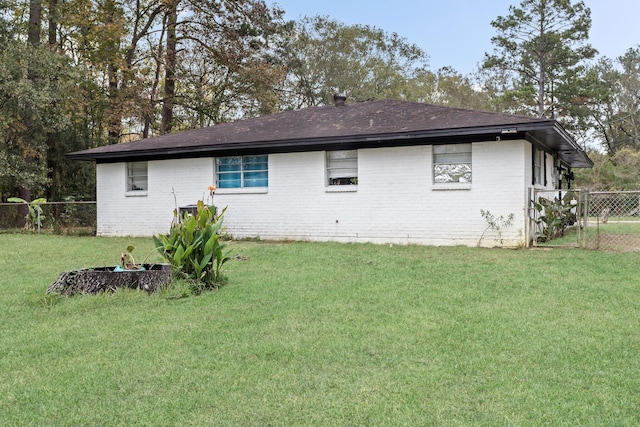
(395, 200)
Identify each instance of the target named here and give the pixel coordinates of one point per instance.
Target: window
(451, 163)
(342, 167)
(137, 176)
(539, 167)
(242, 171)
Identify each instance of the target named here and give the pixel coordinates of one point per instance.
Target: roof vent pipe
(339, 99)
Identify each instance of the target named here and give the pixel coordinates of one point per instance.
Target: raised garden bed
(105, 279)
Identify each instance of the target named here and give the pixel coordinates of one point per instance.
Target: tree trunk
(541, 84)
(170, 67)
(35, 12)
(53, 23)
(105, 279)
(115, 109)
(33, 39)
(53, 163)
(115, 121)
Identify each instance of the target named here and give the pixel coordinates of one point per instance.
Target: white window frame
(137, 177)
(539, 167)
(341, 168)
(452, 159)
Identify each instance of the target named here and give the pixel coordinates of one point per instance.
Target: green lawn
(625, 235)
(616, 227)
(325, 334)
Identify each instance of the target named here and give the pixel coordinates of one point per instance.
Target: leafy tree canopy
(542, 47)
(325, 56)
(615, 116)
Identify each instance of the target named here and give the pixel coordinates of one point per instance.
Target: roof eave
(308, 144)
(559, 141)
(570, 152)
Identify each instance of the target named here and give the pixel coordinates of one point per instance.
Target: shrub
(194, 249)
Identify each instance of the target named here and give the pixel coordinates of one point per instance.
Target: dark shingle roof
(358, 125)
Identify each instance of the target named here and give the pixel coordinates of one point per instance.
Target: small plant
(127, 261)
(496, 224)
(34, 216)
(69, 214)
(194, 249)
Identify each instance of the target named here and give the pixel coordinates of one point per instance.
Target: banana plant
(34, 216)
(554, 216)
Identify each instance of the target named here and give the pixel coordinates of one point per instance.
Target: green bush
(194, 249)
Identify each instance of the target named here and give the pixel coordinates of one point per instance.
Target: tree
(78, 74)
(616, 114)
(326, 56)
(34, 104)
(29, 118)
(42, 109)
(455, 90)
(610, 172)
(158, 62)
(170, 23)
(7, 29)
(542, 48)
(228, 63)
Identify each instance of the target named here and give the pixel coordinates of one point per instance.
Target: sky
(457, 33)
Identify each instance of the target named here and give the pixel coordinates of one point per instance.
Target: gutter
(362, 141)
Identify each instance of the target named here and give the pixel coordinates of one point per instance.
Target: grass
(325, 334)
(616, 227)
(624, 232)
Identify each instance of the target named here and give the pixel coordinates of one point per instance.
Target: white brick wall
(395, 202)
(147, 213)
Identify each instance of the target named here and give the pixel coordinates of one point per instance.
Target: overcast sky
(457, 33)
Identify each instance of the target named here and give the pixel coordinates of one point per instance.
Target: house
(380, 171)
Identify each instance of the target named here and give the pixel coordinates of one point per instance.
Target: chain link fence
(71, 217)
(613, 221)
(598, 220)
(602, 220)
(556, 218)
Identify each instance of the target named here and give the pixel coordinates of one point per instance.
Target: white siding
(395, 201)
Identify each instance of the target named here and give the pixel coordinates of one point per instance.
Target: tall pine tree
(543, 46)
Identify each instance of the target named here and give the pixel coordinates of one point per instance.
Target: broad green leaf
(178, 256)
(17, 200)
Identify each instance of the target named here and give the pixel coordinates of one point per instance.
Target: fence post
(527, 225)
(584, 217)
